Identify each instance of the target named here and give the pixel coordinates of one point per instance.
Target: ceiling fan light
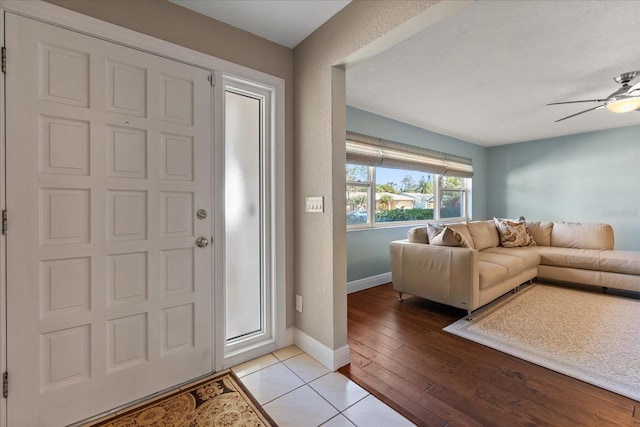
(624, 104)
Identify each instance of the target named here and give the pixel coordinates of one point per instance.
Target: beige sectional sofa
(471, 276)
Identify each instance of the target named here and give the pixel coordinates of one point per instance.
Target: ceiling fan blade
(633, 88)
(581, 112)
(575, 102)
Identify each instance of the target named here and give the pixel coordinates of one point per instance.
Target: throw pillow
(418, 235)
(513, 234)
(461, 227)
(443, 236)
(433, 230)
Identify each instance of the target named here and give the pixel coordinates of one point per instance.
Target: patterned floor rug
(593, 337)
(217, 401)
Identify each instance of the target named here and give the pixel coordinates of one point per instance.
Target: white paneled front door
(108, 154)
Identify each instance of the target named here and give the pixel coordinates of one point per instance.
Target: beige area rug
(589, 336)
(217, 401)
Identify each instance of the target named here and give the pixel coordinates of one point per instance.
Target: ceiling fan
(623, 100)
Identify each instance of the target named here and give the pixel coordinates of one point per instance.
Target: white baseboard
(368, 282)
(332, 359)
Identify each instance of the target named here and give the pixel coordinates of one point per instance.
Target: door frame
(61, 17)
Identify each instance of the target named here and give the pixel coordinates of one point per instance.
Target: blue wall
(368, 250)
(590, 177)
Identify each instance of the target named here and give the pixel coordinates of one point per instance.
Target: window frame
(369, 183)
(438, 197)
(441, 191)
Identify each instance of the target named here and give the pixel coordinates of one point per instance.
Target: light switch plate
(314, 204)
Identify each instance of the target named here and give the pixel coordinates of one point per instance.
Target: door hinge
(4, 59)
(212, 79)
(4, 221)
(5, 384)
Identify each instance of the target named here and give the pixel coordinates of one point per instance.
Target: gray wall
(368, 250)
(591, 177)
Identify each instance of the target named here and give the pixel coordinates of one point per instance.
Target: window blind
(369, 151)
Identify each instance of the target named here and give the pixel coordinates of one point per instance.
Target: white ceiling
(486, 74)
(483, 75)
(286, 22)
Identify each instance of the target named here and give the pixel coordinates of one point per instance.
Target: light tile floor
(296, 390)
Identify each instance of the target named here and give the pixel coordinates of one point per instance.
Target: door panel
(108, 159)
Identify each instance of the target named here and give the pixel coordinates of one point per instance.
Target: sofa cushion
(514, 265)
(418, 235)
(587, 259)
(530, 258)
(582, 236)
(484, 234)
(513, 234)
(626, 262)
(461, 227)
(491, 274)
(540, 231)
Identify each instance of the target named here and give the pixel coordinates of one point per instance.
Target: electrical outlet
(299, 303)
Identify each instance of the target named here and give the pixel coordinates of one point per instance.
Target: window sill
(385, 225)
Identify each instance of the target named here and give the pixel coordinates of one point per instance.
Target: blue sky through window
(385, 175)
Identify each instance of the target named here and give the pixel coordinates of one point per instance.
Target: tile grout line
(308, 383)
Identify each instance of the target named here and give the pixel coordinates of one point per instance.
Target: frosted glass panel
(242, 215)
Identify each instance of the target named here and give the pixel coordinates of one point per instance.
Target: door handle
(202, 242)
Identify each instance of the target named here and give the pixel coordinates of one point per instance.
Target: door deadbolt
(202, 242)
(201, 213)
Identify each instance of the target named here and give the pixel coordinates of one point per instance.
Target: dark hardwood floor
(400, 354)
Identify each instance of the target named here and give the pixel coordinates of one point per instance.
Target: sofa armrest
(448, 275)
